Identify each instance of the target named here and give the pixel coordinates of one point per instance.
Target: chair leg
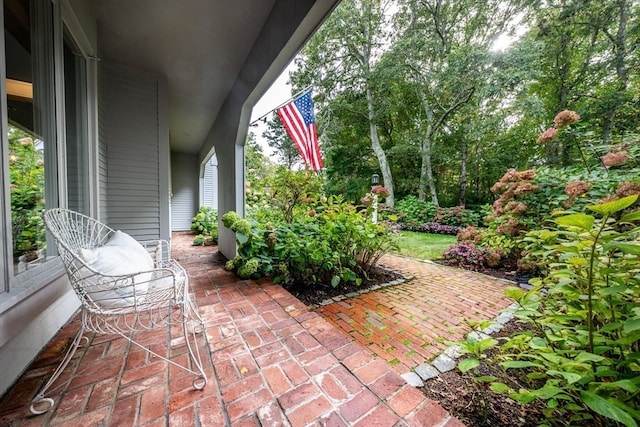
(41, 404)
(193, 318)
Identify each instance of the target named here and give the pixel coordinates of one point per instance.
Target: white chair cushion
(120, 256)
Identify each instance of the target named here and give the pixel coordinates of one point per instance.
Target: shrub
(499, 250)
(585, 318)
(465, 255)
(325, 242)
(431, 227)
(27, 193)
(457, 216)
(205, 224)
(414, 210)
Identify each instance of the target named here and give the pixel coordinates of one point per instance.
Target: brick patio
(274, 362)
(411, 323)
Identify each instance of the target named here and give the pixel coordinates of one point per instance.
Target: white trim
(76, 31)
(58, 87)
(93, 151)
(5, 197)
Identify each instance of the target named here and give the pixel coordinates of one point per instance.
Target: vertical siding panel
(102, 147)
(131, 130)
(210, 184)
(184, 188)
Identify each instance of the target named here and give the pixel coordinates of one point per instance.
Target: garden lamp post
(375, 179)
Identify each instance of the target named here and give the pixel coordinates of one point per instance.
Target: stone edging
(447, 360)
(403, 278)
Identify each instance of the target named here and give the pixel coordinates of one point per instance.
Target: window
(44, 134)
(75, 90)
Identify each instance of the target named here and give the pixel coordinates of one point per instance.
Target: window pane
(75, 120)
(31, 126)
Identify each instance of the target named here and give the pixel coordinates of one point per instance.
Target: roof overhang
(206, 50)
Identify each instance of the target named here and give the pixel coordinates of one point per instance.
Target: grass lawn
(424, 245)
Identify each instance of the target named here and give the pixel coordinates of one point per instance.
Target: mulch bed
(315, 295)
(473, 403)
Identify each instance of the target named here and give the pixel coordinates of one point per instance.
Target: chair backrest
(104, 269)
(74, 231)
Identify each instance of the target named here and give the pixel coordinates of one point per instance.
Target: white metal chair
(124, 287)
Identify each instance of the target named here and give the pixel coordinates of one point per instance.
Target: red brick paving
(411, 323)
(273, 362)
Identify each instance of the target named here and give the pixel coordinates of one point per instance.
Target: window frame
(55, 19)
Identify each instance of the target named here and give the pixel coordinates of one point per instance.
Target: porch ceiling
(199, 45)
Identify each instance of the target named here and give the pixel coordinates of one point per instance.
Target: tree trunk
(620, 50)
(462, 195)
(426, 169)
(379, 152)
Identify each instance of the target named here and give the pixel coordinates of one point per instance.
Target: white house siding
(209, 196)
(184, 188)
(102, 148)
(134, 132)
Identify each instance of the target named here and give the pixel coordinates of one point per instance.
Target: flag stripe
(299, 121)
(295, 129)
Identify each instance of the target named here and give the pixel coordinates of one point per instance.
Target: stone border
(447, 359)
(403, 278)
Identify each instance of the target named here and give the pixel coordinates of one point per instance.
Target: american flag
(300, 122)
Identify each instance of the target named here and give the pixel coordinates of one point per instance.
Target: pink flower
(380, 191)
(577, 188)
(565, 118)
(366, 200)
(548, 135)
(615, 159)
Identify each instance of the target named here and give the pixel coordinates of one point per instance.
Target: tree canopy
(423, 92)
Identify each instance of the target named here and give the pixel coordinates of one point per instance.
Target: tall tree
(590, 49)
(444, 46)
(277, 138)
(342, 55)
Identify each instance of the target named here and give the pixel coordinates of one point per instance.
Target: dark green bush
(585, 347)
(414, 210)
(205, 224)
(325, 242)
(27, 193)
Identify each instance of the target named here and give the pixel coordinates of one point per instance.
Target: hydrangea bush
(312, 241)
(527, 200)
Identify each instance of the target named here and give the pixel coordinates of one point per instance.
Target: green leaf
(606, 209)
(538, 343)
(514, 293)
(603, 407)
(630, 217)
(523, 396)
(611, 290)
(578, 261)
(571, 377)
(242, 238)
(499, 388)
(579, 220)
(624, 247)
(467, 364)
(486, 378)
(519, 364)
(335, 280)
(584, 356)
(631, 325)
(627, 385)
(548, 391)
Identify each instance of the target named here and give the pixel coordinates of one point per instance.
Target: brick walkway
(274, 362)
(411, 323)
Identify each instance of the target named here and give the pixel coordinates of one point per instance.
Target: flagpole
(281, 105)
